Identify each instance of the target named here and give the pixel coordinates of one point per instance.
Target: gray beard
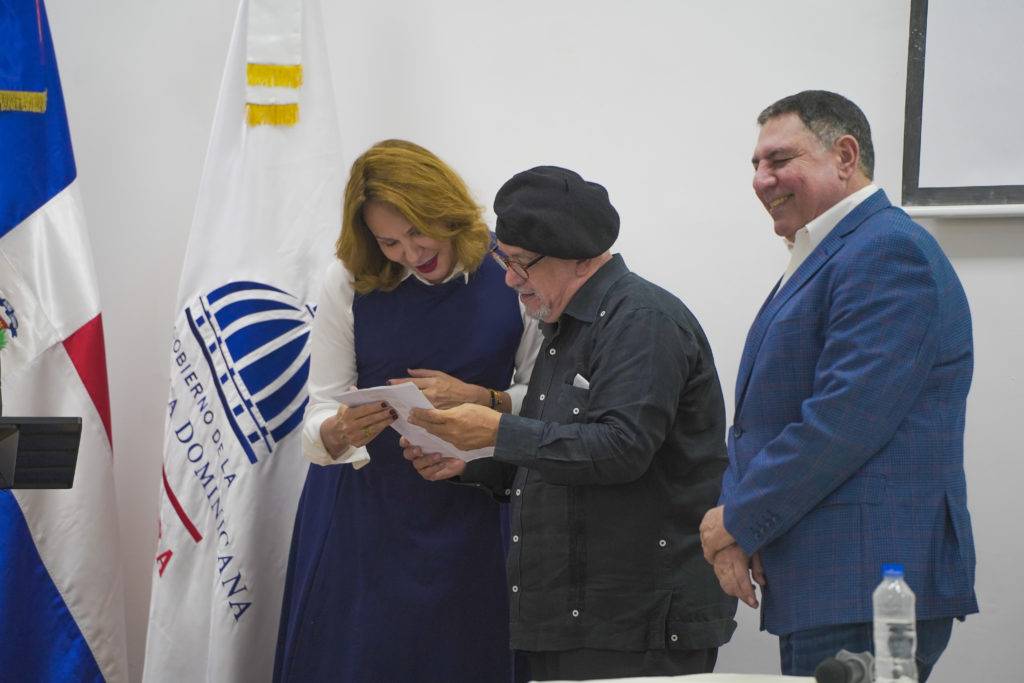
(542, 313)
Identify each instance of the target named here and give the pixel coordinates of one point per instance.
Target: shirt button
(519, 492)
(575, 411)
(515, 539)
(675, 638)
(602, 313)
(508, 491)
(551, 352)
(662, 543)
(542, 397)
(575, 613)
(515, 589)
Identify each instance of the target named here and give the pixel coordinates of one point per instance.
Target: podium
(38, 452)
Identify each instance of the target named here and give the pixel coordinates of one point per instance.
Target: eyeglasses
(516, 267)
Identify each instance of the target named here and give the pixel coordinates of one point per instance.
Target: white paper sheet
(403, 398)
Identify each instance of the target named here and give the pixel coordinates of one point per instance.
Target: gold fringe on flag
(23, 100)
(274, 75)
(272, 114)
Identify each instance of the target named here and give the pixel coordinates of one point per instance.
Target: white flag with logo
(266, 219)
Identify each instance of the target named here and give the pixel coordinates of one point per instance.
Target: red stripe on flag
(85, 348)
(196, 536)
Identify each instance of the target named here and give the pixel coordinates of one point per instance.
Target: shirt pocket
(573, 403)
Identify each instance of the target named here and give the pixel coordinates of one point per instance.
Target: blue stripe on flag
(248, 339)
(239, 309)
(275, 404)
(233, 287)
(39, 639)
(271, 366)
(36, 161)
(293, 421)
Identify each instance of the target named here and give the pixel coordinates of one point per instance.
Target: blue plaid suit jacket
(847, 444)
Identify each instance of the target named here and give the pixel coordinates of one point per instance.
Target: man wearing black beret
(617, 454)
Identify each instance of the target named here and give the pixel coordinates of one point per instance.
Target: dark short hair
(829, 116)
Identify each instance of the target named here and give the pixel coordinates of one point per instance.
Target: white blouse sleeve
(526, 355)
(332, 369)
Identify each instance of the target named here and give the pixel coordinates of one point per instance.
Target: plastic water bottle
(895, 628)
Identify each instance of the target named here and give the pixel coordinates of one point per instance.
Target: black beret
(553, 211)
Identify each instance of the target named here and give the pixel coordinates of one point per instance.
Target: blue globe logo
(256, 341)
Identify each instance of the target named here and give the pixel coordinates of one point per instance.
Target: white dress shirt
(810, 236)
(333, 362)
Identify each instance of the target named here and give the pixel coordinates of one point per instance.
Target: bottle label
(901, 641)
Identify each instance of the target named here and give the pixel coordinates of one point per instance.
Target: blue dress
(391, 577)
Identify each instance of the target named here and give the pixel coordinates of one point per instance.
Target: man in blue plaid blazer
(846, 450)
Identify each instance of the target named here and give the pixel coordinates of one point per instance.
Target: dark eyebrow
(775, 154)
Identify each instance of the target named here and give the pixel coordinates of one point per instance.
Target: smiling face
(400, 241)
(796, 177)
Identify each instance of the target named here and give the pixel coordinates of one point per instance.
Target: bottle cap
(892, 569)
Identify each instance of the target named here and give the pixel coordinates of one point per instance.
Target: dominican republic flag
(267, 217)
(61, 594)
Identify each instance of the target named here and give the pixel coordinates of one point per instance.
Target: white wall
(654, 99)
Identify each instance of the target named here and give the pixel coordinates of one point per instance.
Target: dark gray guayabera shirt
(617, 454)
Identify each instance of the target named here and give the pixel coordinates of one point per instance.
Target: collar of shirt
(821, 226)
(810, 236)
(456, 272)
(587, 300)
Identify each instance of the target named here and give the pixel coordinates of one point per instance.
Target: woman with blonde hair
(390, 578)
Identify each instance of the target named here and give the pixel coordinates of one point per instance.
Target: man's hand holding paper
(431, 466)
(468, 427)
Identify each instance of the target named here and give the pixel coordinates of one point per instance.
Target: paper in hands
(404, 397)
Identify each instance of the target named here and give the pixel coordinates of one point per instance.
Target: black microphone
(846, 667)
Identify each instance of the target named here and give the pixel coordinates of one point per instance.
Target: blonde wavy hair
(426, 191)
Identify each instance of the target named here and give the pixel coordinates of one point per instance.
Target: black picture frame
(913, 193)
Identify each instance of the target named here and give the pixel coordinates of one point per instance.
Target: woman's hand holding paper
(355, 426)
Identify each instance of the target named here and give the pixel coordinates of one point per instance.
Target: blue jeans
(802, 651)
